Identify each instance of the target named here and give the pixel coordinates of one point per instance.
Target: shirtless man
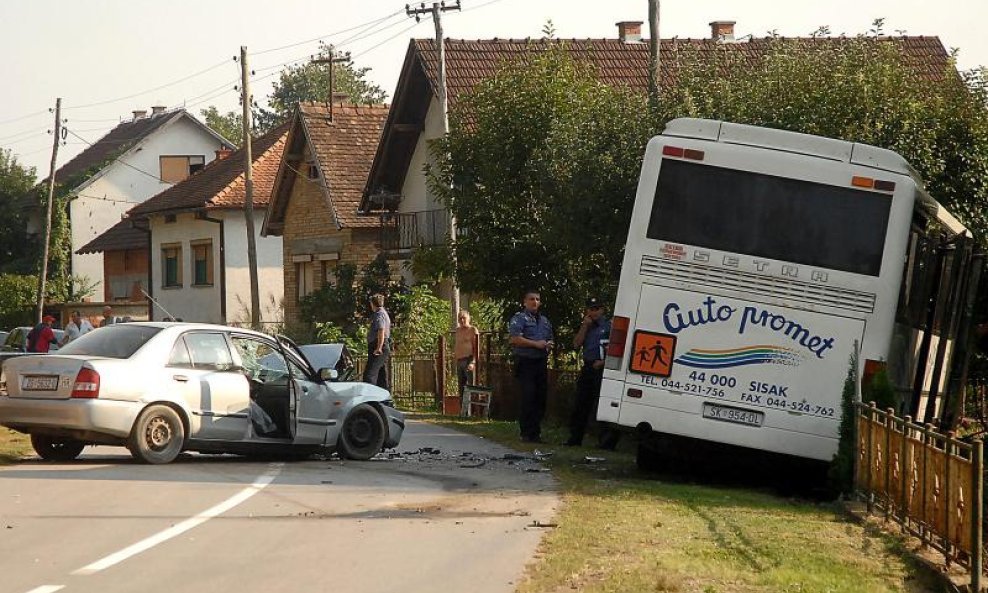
(466, 350)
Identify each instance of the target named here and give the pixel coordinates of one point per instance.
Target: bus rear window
(824, 226)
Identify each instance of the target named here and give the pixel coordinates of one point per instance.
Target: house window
(171, 265)
(305, 274)
(312, 171)
(176, 168)
(328, 272)
(202, 262)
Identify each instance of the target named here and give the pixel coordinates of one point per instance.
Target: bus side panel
(735, 371)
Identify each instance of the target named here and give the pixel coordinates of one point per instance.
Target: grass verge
(13, 446)
(620, 530)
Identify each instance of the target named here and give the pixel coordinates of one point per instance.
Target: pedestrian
(76, 328)
(378, 344)
(42, 336)
(108, 318)
(594, 331)
(466, 350)
(531, 339)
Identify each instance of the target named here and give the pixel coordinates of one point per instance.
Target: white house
(198, 240)
(134, 161)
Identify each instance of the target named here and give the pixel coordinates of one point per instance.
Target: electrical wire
(479, 6)
(377, 45)
(157, 88)
(23, 117)
(347, 30)
(117, 160)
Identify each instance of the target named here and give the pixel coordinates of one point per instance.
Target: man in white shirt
(75, 328)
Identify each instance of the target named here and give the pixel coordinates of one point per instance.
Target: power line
(117, 160)
(377, 45)
(23, 117)
(157, 88)
(321, 37)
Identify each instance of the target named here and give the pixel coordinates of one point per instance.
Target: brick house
(314, 201)
(397, 191)
(126, 263)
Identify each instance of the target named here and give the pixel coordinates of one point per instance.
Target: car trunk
(43, 377)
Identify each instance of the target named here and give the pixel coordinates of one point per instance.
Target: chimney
(223, 153)
(340, 97)
(140, 113)
(630, 31)
(157, 109)
(722, 31)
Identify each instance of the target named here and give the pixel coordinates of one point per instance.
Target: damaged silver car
(163, 388)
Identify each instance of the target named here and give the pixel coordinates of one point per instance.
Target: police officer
(531, 339)
(590, 338)
(378, 344)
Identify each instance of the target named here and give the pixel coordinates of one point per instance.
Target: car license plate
(40, 383)
(736, 415)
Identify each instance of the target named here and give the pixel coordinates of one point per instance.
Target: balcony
(404, 231)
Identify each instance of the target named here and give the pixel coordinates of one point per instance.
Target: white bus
(757, 261)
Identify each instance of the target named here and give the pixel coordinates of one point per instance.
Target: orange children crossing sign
(652, 353)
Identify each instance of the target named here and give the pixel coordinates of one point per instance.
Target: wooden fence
(929, 483)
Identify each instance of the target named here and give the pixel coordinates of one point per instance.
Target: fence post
(923, 529)
(487, 360)
(889, 427)
(441, 371)
(905, 474)
(948, 450)
(871, 439)
(977, 512)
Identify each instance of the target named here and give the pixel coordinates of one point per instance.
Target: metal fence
(929, 483)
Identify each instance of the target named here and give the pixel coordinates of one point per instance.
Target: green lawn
(619, 530)
(13, 445)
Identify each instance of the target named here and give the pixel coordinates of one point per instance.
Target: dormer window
(312, 171)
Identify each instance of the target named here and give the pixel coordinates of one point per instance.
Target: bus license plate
(736, 415)
(40, 383)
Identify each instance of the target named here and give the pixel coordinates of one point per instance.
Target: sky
(106, 58)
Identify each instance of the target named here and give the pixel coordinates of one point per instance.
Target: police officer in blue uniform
(590, 339)
(531, 340)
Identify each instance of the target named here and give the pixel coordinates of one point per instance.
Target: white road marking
(46, 589)
(145, 544)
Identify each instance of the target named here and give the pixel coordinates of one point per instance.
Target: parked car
(3, 336)
(163, 388)
(15, 343)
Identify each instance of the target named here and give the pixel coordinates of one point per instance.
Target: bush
(17, 300)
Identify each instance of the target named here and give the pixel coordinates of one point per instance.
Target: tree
(301, 82)
(310, 82)
(541, 163)
(17, 251)
(230, 125)
(540, 168)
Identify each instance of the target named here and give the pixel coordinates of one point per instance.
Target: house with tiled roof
(135, 160)
(319, 185)
(196, 233)
(397, 192)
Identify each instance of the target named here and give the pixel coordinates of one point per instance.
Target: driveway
(447, 511)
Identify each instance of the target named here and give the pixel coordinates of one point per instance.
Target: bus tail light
(683, 153)
(616, 342)
(86, 384)
(869, 183)
(871, 368)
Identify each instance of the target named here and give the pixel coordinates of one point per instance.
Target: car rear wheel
(362, 436)
(158, 435)
(56, 449)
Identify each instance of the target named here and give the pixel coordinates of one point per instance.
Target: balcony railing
(408, 230)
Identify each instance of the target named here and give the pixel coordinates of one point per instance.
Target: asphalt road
(456, 516)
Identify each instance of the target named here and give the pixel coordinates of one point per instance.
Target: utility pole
(436, 10)
(57, 133)
(654, 71)
(331, 60)
(255, 298)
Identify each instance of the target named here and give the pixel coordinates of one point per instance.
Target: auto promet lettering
(676, 320)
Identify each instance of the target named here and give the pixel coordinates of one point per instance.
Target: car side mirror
(328, 374)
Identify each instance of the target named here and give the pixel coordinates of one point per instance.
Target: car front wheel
(56, 449)
(362, 436)
(158, 435)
